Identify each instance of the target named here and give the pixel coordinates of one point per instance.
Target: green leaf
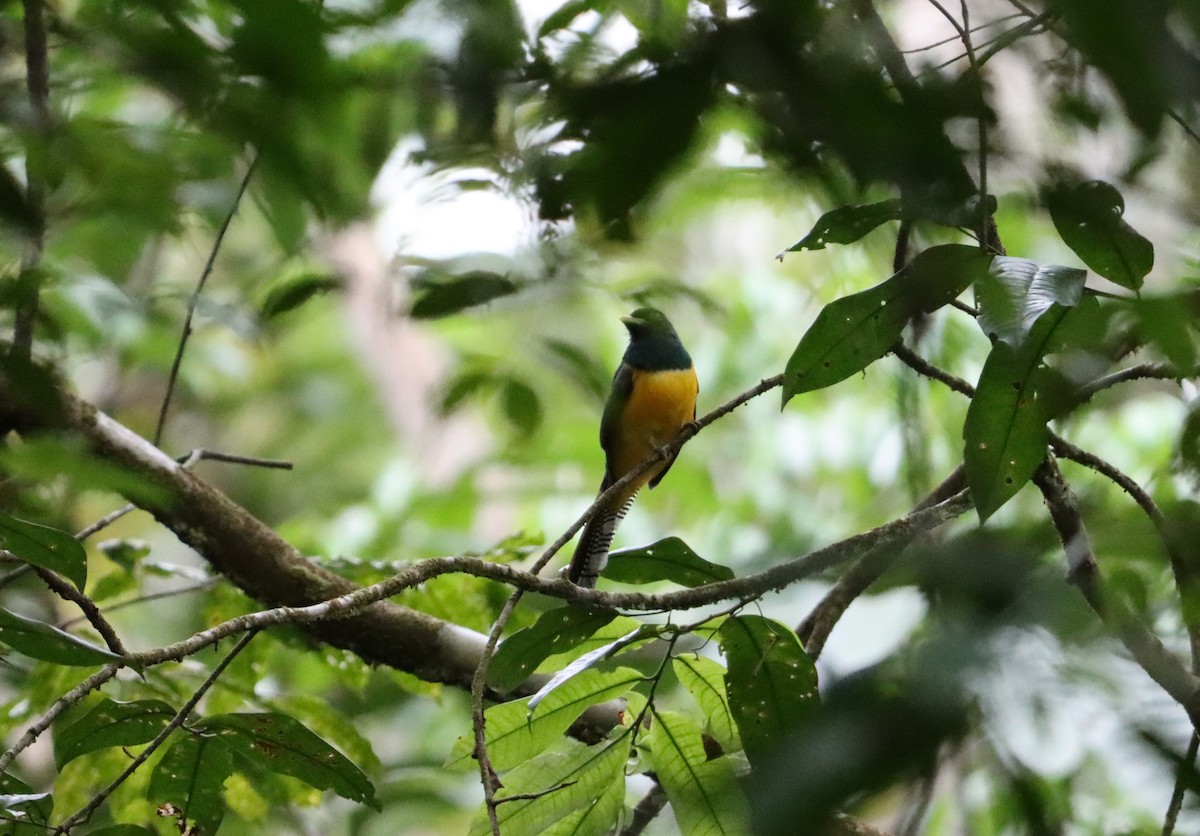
(704, 794)
(592, 658)
(515, 732)
(521, 406)
(1088, 217)
(563, 781)
(705, 681)
(848, 335)
(939, 275)
(847, 224)
(190, 777)
(1017, 291)
(555, 631)
(1005, 433)
(50, 644)
(561, 17)
(126, 553)
(467, 290)
(122, 830)
(46, 547)
(669, 559)
(23, 811)
(600, 817)
(282, 744)
(852, 332)
(111, 723)
(293, 290)
(771, 682)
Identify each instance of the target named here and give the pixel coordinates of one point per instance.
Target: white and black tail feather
(591, 555)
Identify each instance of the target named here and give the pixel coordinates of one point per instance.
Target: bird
(653, 397)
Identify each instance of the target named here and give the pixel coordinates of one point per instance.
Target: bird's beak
(631, 321)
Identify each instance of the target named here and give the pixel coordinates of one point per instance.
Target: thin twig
(195, 299)
(200, 454)
(84, 813)
(815, 629)
(37, 83)
(152, 596)
(1189, 761)
(68, 592)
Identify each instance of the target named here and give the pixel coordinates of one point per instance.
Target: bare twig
(84, 813)
(37, 83)
(195, 299)
(68, 592)
(1189, 761)
(815, 629)
(1082, 571)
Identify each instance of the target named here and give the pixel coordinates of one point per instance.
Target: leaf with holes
(50, 644)
(111, 723)
(282, 744)
(190, 777)
(517, 732)
(705, 681)
(848, 335)
(555, 631)
(847, 224)
(46, 547)
(1088, 217)
(1017, 291)
(771, 682)
(1005, 433)
(704, 794)
(670, 559)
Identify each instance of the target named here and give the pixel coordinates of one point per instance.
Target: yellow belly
(659, 404)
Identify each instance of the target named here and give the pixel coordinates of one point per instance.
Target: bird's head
(649, 322)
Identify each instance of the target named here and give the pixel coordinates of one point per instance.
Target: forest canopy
(309, 318)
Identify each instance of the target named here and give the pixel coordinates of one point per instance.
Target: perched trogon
(653, 396)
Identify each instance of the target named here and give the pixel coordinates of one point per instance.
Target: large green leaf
(555, 631)
(1017, 291)
(282, 744)
(1005, 433)
(443, 298)
(46, 547)
(705, 681)
(515, 733)
(111, 723)
(847, 336)
(50, 644)
(852, 332)
(847, 224)
(669, 559)
(771, 682)
(1088, 217)
(560, 782)
(704, 794)
(190, 776)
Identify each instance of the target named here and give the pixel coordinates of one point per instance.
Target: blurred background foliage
(447, 206)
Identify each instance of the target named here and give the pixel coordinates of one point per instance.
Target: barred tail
(591, 554)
